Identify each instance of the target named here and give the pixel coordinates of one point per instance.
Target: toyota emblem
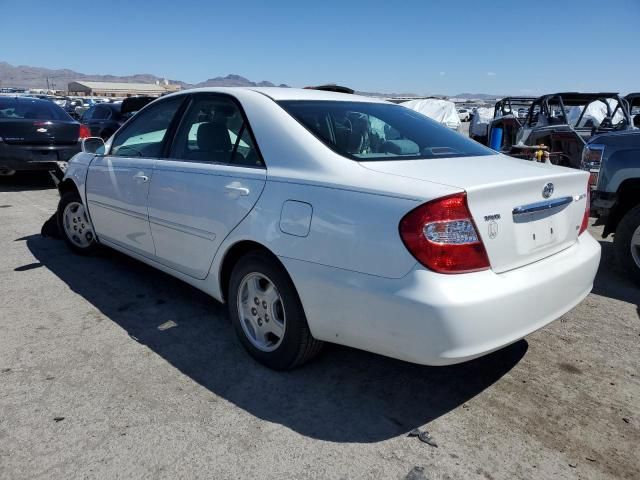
(547, 191)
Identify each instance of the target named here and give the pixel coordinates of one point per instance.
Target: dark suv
(614, 160)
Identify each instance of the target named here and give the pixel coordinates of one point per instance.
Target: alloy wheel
(261, 312)
(77, 226)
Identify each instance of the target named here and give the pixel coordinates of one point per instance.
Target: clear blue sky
(488, 46)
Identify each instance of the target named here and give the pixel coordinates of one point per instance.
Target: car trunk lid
(523, 211)
(39, 132)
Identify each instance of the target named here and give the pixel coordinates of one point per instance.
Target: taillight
(442, 236)
(587, 211)
(84, 132)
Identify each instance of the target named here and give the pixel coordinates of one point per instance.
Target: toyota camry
(320, 216)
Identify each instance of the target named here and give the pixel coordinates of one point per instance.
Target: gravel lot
(110, 369)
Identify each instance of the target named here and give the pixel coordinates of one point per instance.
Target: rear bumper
(435, 319)
(35, 157)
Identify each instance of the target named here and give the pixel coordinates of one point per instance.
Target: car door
(210, 181)
(118, 183)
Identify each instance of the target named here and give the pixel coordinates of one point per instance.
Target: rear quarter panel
(349, 230)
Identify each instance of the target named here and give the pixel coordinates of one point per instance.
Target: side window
(88, 115)
(101, 113)
(143, 137)
(213, 130)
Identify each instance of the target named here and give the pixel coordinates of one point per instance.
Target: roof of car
(282, 93)
(516, 99)
(28, 99)
(633, 99)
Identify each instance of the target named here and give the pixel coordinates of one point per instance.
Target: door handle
(142, 177)
(237, 188)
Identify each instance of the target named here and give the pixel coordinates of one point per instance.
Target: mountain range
(23, 76)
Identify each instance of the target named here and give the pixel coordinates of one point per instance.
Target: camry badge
(41, 130)
(547, 191)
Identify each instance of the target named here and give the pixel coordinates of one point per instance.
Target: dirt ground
(110, 369)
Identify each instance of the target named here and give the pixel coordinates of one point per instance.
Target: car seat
(214, 143)
(358, 141)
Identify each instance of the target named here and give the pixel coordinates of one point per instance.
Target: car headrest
(401, 147)
(213, 137)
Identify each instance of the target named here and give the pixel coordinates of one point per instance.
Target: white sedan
(328, 217)
(464, 114)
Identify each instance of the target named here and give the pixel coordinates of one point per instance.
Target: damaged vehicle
(508, 116)
(319, 216)
(562, 123)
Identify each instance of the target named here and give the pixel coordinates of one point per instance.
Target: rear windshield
(13, 108)
(380, 131)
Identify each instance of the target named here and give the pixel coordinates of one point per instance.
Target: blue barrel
(495, 142)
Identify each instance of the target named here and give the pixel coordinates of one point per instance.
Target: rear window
(379, 131)
(13, 108)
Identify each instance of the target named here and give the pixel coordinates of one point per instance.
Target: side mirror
(93, 145)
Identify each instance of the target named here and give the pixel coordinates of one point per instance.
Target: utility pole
(47, 84)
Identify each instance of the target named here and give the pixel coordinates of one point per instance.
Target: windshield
(380, 131)
(12, 108)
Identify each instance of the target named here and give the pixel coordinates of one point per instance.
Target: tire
(78, 233)
(292, 344)
(622, 244)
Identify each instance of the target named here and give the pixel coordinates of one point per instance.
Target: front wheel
(626, 243)
(267, 314)
(74, 224)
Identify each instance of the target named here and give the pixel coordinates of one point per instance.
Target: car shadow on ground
(611, 281)
(23, 181)
(345, 395)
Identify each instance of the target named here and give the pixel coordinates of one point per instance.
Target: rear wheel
(267, 314)
(626, 243)
(74, 224)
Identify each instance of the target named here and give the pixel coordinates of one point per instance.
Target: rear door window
(214, 130)
(88, 115)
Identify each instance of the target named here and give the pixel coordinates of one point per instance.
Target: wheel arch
(66, 186)
(233, 254)
(627, 197)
